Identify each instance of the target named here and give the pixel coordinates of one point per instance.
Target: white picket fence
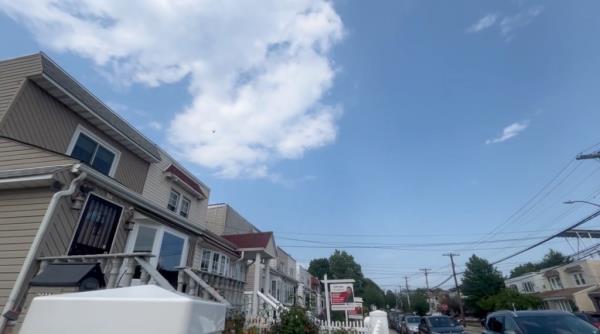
(350, 326)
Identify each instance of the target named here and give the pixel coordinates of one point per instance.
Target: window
(173, 201)
(579, 280)
(89, 149)
(184, 210)
(496, 324)
(215, 262)
(528, 287)
(168, 247)
(555, 282)
(205, 262)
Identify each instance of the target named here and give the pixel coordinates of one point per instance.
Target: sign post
(327, 300)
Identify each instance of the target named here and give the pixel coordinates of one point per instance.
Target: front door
(168, 247)
(97, 226)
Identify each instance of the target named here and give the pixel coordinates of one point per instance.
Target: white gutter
(137, 199)
(35, 245)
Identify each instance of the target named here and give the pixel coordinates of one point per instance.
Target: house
(88, 202)
(258, 250)
(271, 277)
(308, 290)
(283, 278)
(569, 287)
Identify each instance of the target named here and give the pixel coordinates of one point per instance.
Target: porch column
(267, 282)
(256, 285)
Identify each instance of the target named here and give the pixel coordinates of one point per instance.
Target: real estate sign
(357, 312)
(342, 297)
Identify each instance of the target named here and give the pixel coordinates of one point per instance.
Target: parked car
(439, 324)
(394, 319)
(410, 324)
(592, 318)
(537, 322)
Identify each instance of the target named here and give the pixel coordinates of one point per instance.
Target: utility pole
(407, 291)
(426, 272)
(460, 302)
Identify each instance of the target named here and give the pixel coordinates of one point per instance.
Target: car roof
(540, 313)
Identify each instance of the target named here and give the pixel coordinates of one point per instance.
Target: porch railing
(118, 268)
(209, 286)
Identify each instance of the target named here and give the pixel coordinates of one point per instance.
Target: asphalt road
(470, 330)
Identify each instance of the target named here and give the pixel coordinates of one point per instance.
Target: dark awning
(65, 274)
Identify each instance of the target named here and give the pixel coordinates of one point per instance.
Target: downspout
(35, 246)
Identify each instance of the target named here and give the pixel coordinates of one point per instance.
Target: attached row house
(88, 202)
(569, 287)
(273, 278)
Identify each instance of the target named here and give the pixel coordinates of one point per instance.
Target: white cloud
(155, 125)
(509, 132)
(257, 70)
(485, 22)
(511, 23)
(506, 25)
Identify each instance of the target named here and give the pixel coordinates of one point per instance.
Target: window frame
(579, 279)
(177, 201)
(189, 206)
(100, 142)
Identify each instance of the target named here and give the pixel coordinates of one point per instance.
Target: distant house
(272, 276)
(569, 287)
(88, 202)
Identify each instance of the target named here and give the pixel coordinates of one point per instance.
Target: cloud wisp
(485, 22)
(506, 25)
(509, 132)
(257, 70)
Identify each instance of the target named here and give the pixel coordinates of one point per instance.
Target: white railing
(189, 282)
(375, 323)
(349, 326)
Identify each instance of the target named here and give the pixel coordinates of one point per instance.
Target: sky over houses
(348, 124)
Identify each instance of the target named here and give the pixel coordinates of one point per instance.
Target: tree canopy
(341, 265)
(319, 267)
(509, 299)
(480, 280)
(551, 259)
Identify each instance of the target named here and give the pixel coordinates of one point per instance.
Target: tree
(342, 265)
(509, 299)
(372, 294)
(390, 299)
(319, 267)
(418, 300)
(480, 280)
(551, 259)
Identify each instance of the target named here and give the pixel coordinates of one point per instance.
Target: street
(469, 330)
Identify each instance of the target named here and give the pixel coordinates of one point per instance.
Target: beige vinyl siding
(215, 219)
(157, 189)
(15, 155)
(36, 117)
(21, 212)
(222, 219)
(12, 75)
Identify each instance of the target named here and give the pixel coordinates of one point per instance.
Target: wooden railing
(118, 268)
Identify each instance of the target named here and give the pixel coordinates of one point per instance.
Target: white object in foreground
(145, 309)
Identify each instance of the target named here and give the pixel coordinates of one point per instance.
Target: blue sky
(410, 122)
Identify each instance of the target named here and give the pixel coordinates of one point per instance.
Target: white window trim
(228, 263)
(176, 209)
(189, 208)
(160, 232)
(79, 130)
